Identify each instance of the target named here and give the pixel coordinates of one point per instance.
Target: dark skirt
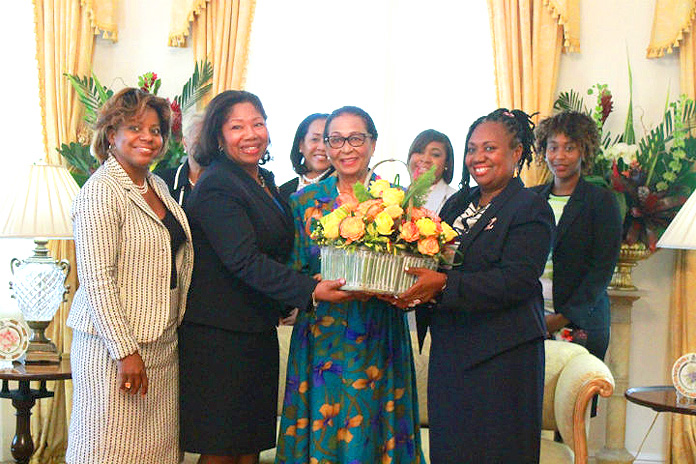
(229, 390)
(490, 412)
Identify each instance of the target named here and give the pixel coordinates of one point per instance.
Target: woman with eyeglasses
(350, 394)
(308, 155)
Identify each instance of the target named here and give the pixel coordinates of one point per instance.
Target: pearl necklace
(142, 189)
(307, 181)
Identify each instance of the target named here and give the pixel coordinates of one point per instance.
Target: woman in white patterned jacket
(134, 262)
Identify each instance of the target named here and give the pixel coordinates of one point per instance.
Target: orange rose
(352, 228)
(409, 231)
(348, 200)
(416, 213)
(370, 208)
(429, 246)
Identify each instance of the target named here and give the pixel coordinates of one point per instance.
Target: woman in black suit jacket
(588, 237)
(486, 371)
(242, 234)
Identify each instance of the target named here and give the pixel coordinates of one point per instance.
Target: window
(412, 65)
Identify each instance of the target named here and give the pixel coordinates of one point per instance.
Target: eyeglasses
(355, 140)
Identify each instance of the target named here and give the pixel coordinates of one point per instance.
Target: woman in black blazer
(242, 234)
(486, 370)
(308, 155)
(588, 236)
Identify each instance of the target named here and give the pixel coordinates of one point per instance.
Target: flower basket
(371, 271)
(370, 242)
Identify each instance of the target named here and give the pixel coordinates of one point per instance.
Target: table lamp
(681, 233)
(40, 210)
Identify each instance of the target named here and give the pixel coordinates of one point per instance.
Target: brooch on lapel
(491, 224)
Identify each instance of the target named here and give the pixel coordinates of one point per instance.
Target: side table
(660, 399)
(24, 397)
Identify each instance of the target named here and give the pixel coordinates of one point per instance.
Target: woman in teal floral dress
(350, 395)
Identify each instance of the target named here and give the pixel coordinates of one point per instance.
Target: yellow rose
(331, 226)
(352, 228)
(394, 211)
(428, 246)
(384, 223)
(337, 214)
(378, 186)
(393, 196)
(448, 233)
(426, 226)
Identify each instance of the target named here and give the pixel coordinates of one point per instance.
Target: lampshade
(41, 206)
(681, 232)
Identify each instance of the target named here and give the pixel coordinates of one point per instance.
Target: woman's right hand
(131, 374)
(329, 290)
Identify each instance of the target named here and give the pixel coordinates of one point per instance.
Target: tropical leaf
(92, 94)
(570, 101)
(197, 86)
(79, 157)
(629, 135)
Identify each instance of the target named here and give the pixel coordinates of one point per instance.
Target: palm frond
(570, 101)
(92, 94)
(197, 86)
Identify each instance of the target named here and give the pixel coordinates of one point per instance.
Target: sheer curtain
(411, 66)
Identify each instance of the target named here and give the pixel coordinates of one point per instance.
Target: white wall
(611, 32)
(608, 30)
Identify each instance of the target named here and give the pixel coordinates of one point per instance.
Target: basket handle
(390, 160)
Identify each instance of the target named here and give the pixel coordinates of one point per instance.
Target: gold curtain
(220, 33)
(528, 36)
(65, 31)
(671, 21)
(682, 317)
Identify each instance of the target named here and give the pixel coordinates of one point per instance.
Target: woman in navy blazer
(242, 234)
(588, 236)
(486, 370)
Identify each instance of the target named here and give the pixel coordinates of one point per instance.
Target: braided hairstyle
(518, 124)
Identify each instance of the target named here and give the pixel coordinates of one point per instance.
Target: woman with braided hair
(486, 376)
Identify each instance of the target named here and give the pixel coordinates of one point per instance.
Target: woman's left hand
(428, 285)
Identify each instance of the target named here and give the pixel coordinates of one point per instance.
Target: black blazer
(177, 181)
(241, 239)
(585, 250)
(289, 188)
(493, 300)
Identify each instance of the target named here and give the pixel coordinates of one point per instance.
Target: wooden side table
(660, 399)
(24, 397)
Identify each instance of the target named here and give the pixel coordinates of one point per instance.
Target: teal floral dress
(350, 395)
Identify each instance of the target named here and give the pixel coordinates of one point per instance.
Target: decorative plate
(14, 339)
(684, 375)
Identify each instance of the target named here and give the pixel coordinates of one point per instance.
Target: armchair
(573, 377)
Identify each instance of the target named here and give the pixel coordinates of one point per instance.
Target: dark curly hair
(215, 116)
(431, 135)
(578, 127)
(296, 156)
(128, 103)
(518, 124)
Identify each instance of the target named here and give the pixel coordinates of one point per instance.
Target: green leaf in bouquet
(570, 101)
(360, 192)
(197, 86)
(418, 190)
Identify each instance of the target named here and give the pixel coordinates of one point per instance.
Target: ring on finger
(127, 385)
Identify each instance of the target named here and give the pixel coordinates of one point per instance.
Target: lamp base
(41, 349)
(42, 353)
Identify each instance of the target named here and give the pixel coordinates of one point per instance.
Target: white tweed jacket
(124, 261)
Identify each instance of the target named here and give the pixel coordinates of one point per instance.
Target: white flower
(627, 153)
